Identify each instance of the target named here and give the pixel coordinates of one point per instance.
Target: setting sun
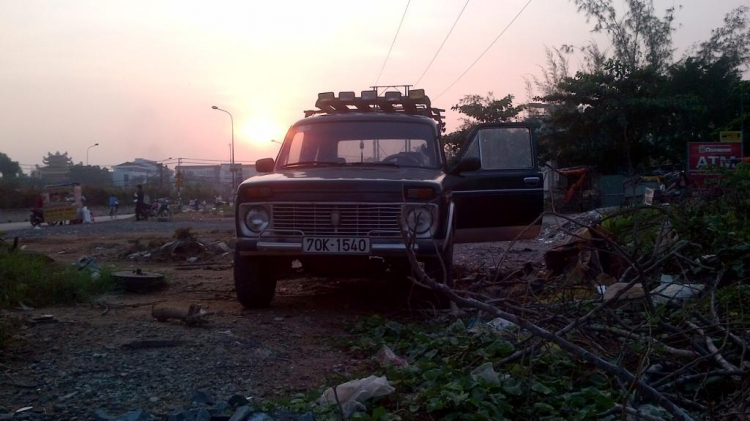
(260, 130)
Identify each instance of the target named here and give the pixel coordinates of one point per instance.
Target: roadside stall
(62, 203)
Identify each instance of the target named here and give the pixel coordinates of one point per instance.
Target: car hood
(359, 174)
(345, 183)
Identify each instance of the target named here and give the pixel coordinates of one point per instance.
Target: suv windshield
(385, 143)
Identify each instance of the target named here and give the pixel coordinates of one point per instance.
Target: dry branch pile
(650, 310)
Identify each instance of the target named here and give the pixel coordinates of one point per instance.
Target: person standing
(113, 205)
(138, 202)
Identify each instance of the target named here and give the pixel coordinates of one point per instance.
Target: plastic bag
(485, 372)
(386, 357)
(353, 394)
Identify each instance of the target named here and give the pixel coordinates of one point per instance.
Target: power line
(486, 49)
(441, 45)
(393, 42)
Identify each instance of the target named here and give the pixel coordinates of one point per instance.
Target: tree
(638, 108)
(639, 38)
(731, 42)
(479, 109)
(90, 175)
(487, 109)
(606, 118)
(9, 169)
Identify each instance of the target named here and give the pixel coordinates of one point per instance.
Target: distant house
(214, 176)
(141, 171)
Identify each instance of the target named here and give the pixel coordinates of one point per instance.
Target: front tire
(254, 281)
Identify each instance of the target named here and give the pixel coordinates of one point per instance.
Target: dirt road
(82, 362)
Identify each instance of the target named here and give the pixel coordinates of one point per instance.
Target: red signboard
(703, 158)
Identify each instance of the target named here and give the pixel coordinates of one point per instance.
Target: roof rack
(414, 102)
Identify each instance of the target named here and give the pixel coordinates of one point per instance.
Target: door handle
(531, 181)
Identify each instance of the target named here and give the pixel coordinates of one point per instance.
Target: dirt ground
(81, 361)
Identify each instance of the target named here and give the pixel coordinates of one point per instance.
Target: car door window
(502, 148)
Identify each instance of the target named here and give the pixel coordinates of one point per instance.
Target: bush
(32, 280)
(719, 221)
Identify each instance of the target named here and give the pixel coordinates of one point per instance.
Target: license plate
(336, 245)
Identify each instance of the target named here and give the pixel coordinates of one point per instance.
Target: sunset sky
(140, 77)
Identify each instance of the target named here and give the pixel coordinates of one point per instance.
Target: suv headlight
(257, 219)
(419, 220)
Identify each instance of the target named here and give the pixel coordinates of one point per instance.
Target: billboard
(704, 156)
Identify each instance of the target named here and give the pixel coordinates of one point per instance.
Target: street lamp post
(87, 153)
(231, 157)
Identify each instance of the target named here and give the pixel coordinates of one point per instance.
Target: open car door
(501, 191)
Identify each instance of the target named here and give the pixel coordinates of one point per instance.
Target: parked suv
(358, 172)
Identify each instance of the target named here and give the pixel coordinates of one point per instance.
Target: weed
(184, 233)
(30, 279)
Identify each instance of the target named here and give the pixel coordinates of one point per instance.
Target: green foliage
(8, 168)
(720, 221)
(638, 108)
(638, 36)
(487, 109)
(636, 230)
(479, 109)
(89, 175)
(30, 279)
(438, 383)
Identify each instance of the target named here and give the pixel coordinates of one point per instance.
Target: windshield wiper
(313, 164)
(381, 164)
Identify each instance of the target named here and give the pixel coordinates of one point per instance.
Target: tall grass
(29, 279)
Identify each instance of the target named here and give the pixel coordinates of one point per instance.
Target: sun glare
(261, 130)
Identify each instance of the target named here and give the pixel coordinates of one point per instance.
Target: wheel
(52, 224)
(254, 281)
(35, 220)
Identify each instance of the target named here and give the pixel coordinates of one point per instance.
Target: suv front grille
(356, 220)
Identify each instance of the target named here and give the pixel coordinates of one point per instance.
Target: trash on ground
(139, 281)
(386, 357)
(500, 324)
(635, 292)
(353, 394)
(194, 316)
(675, 293)
(486, 373)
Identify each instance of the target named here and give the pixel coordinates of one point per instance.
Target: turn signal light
(257, 192)
(421, 193)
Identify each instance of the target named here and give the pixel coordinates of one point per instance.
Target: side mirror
(467, 165)
(264, 165)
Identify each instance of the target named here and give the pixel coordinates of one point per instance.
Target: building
(218, 177)
(142, 171)
(56, 169)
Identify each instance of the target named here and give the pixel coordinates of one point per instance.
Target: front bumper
(292, 247)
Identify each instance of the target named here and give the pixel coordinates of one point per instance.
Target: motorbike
(36, 217)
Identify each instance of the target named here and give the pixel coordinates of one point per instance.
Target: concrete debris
(633, 293)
